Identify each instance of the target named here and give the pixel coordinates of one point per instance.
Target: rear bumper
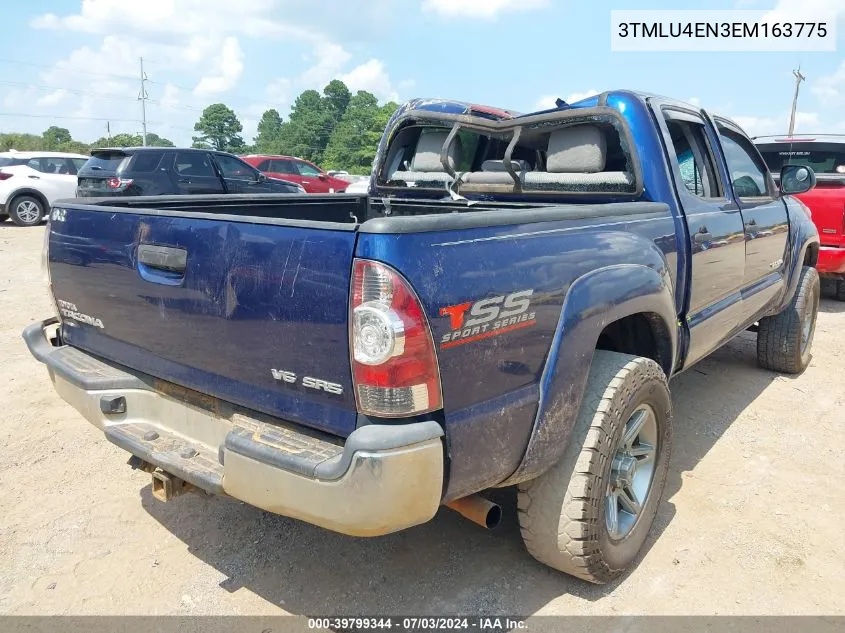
(383, 478)
(831, 261)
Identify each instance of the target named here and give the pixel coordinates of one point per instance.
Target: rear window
(577, 153)
(104, 162)
(824, 158)
(6, 161)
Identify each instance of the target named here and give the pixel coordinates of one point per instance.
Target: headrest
(427, 154)
(580, 148)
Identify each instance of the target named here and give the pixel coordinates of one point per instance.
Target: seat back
(425, 165)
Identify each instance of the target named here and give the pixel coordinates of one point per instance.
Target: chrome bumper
(381, 479)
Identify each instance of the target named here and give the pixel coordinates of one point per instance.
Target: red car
(312, 178)
(825, 153)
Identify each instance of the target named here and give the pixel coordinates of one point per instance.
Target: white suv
(31, 181)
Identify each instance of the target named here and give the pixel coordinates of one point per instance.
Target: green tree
(55, 136)
(154, 140)
(132, 140)
(119, 140)
(336, 97)
(219, 128)
(353, 143)
(269, 131)
(21, 142)
(308, 129)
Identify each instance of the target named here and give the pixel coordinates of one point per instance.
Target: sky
(75, 63)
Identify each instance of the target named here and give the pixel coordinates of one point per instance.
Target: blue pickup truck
(505, 308)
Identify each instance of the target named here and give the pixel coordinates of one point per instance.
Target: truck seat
(576, 157)
(425, 165)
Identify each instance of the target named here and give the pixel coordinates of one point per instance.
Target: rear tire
(839, 290)
(571, 517)
(26, 211)
(785, 340)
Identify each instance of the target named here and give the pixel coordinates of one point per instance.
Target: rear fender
(594, 300)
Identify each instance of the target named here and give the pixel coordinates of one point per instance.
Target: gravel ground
(751, 521)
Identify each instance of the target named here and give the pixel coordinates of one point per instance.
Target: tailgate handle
(166, 258)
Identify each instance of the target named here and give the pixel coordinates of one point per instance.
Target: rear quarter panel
(500, 389)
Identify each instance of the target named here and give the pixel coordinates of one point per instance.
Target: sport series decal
(474, 321)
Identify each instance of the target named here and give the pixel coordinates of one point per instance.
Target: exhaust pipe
(478, 510)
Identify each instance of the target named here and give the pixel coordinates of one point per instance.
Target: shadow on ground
(449, 565)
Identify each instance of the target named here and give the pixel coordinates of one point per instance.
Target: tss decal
(473, 321)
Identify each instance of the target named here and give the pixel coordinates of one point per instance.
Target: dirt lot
(751, 521)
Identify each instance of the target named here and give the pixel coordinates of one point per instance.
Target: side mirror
(796, 179)
(323, 176)
(261, 177)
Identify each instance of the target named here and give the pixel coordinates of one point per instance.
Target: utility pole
(798, 79)
(108, 131)
(142, 97)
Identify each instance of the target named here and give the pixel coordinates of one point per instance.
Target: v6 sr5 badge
(474, 321)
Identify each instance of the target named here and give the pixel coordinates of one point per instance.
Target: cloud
(279, 91)
(764, 126)
(53, 98)
(329, 59)
(372, 77)
(829, 88)
(694, 101)
(487, 9)
(230, 66)
(195, 52)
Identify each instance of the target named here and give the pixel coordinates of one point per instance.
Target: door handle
(34, 177)
(186, 181)
(163, 258)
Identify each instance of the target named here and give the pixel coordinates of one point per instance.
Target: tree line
(334, 129)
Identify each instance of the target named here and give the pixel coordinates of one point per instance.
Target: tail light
(5, 176)
(394, 366)
(118, 183)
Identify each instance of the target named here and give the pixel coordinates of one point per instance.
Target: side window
(49, 165)
(695, 160)
(747, 174)
(232, 167)
(307, 170)
(194, 164)
(283, 166)
(264, 165)
(146, 162)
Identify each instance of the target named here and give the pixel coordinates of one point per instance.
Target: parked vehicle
(506, 308)
(298, 170)
(156, 171)
(31, 181)
(825, 153)
(359, 186)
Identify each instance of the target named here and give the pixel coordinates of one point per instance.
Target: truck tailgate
(239, 309)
